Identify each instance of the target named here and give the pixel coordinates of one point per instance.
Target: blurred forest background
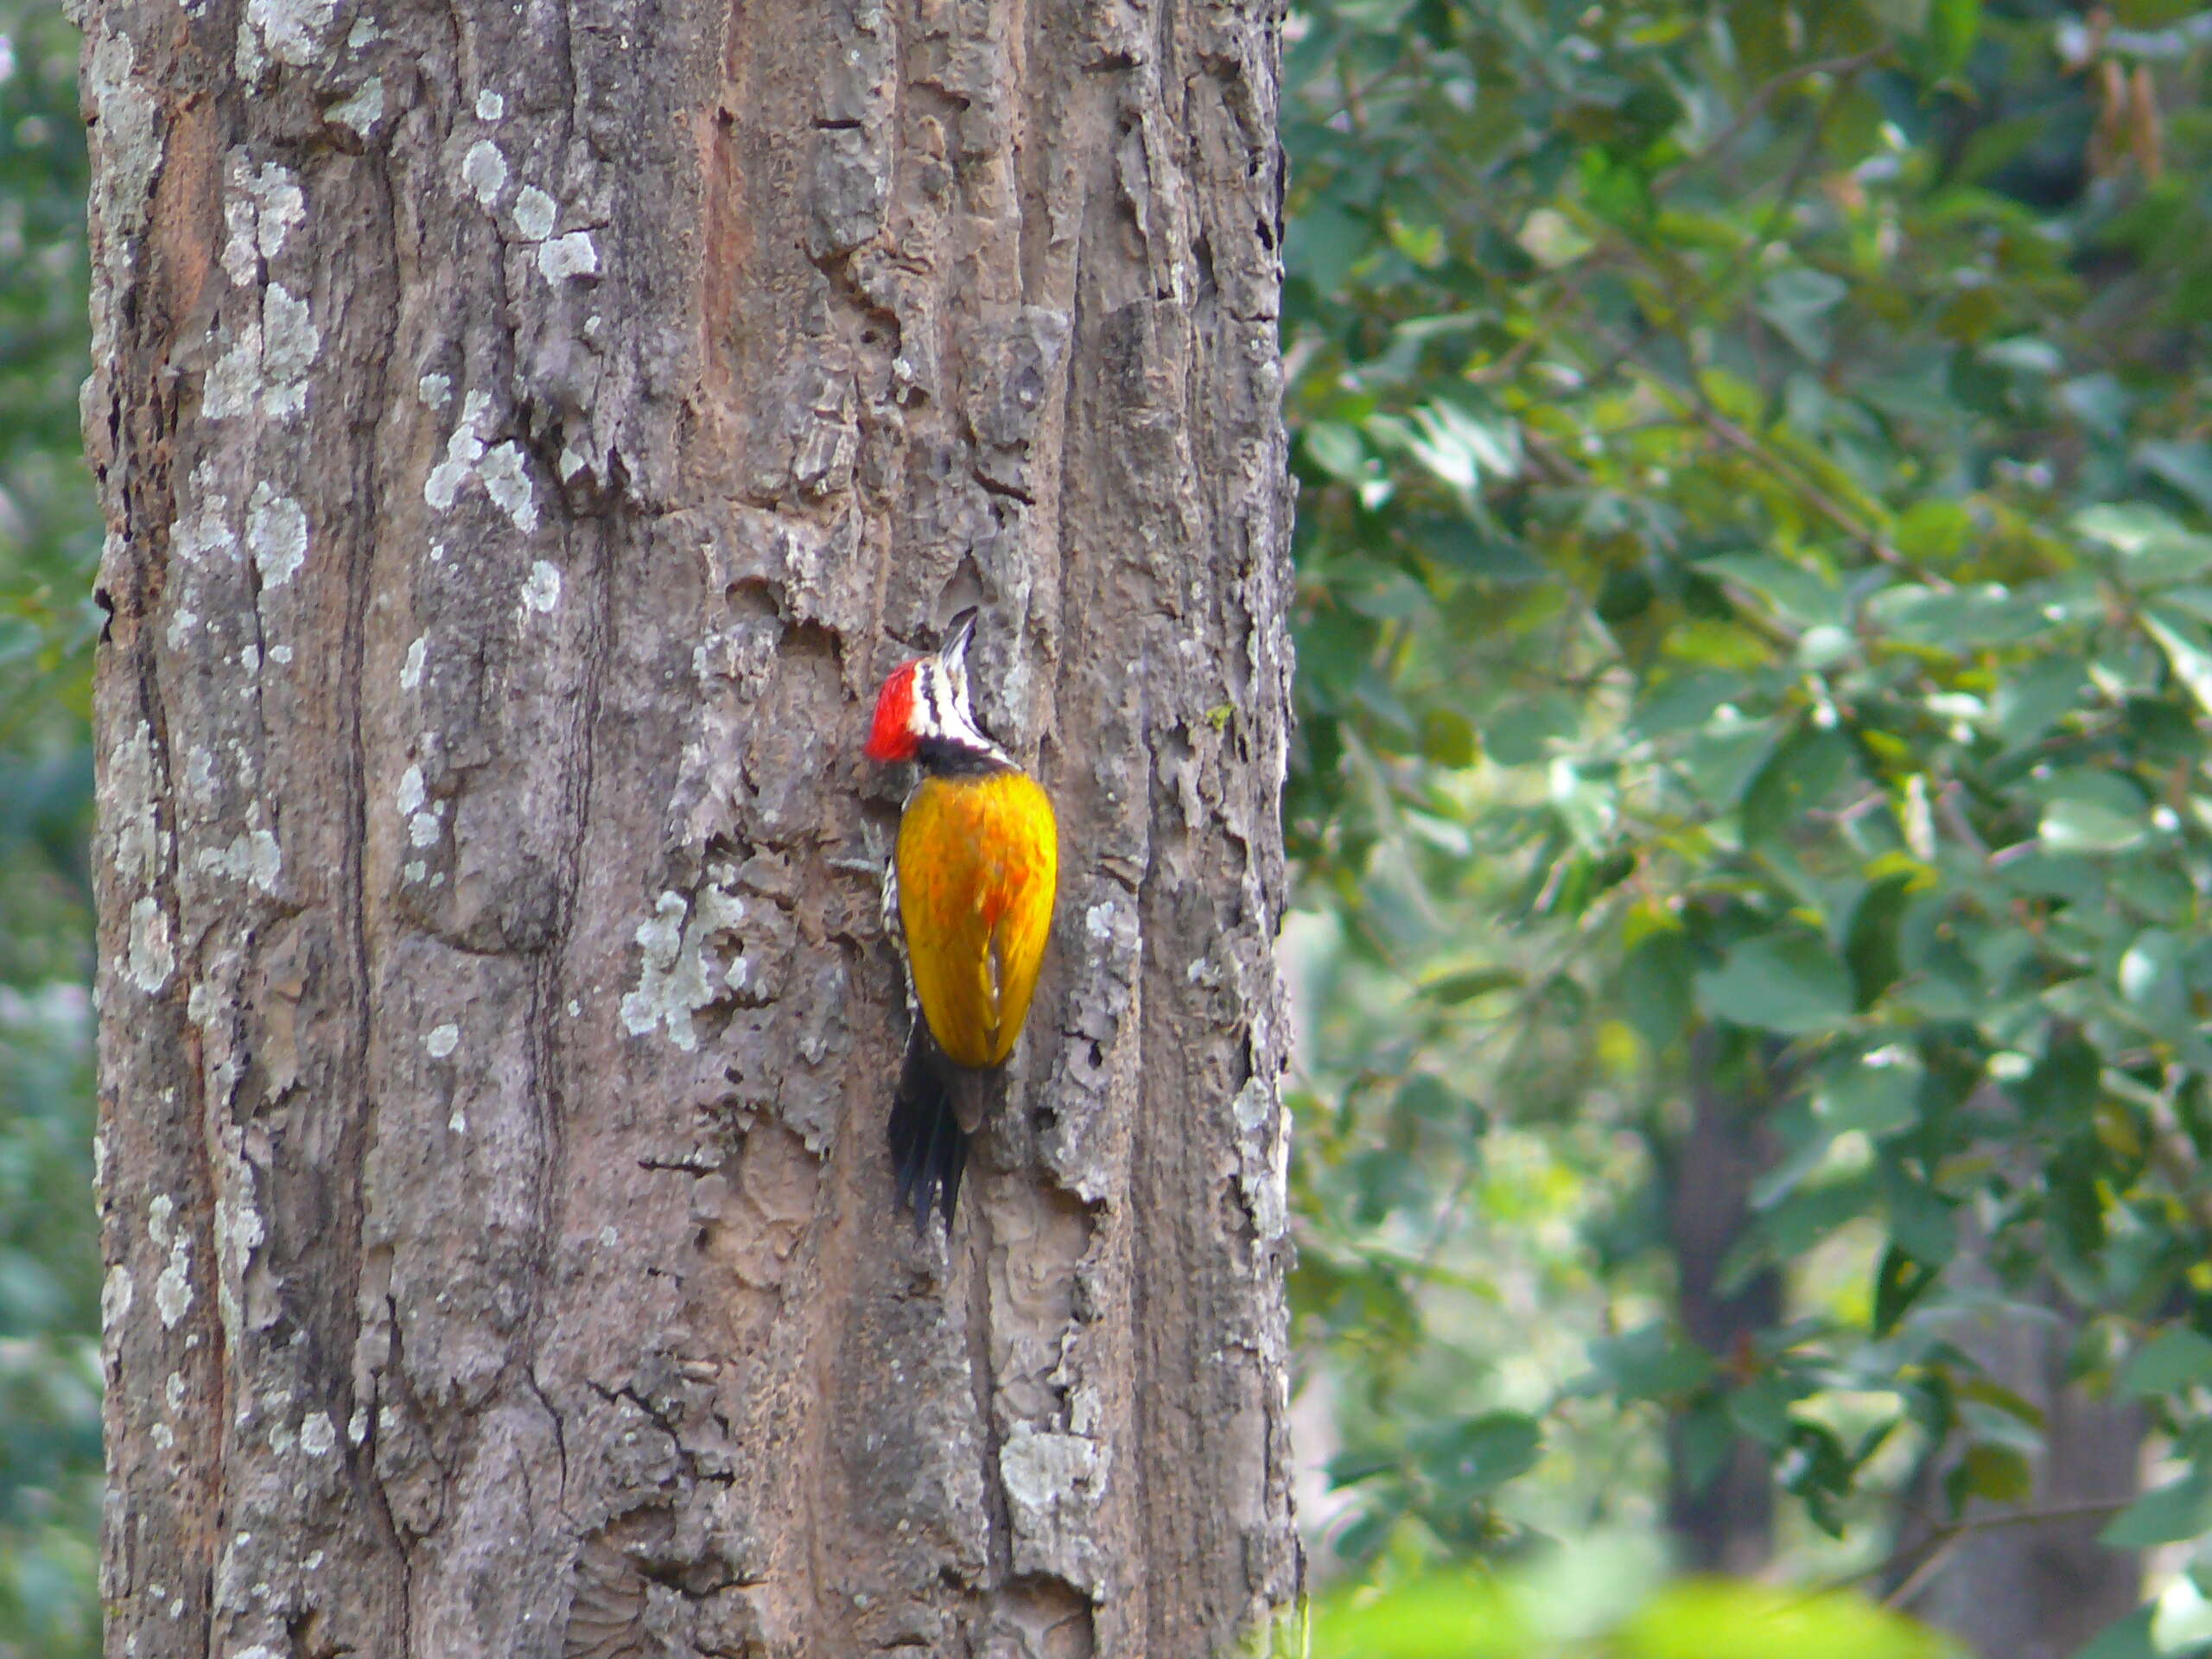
(1751, 807)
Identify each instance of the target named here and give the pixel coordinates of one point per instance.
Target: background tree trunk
(527, 435)
(2040, 1590)
(1721, 1517)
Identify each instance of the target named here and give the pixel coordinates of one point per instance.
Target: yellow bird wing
(978, 864)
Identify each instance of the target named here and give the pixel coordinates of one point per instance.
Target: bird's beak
(953, 653)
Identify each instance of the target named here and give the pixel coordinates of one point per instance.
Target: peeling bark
(526, 435)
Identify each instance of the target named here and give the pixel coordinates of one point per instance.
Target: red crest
(891, 735)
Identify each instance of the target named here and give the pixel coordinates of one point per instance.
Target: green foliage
(1756, 587)
(49, 1363)
(1596, 1608)
(49, 1353)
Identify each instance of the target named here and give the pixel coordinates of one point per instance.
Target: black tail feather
(929, 1149)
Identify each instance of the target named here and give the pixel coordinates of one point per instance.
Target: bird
(968, 896)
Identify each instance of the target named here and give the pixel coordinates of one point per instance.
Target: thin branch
(1932, 1550)
(1789, 474)
(1540, 331)
(1949, 804)
(1756, 105)
(1957, 1531)
(1915, 1581)
(1792, 182)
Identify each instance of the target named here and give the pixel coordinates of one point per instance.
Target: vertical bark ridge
(355, 1042)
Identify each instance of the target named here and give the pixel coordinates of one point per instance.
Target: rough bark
(527, 433)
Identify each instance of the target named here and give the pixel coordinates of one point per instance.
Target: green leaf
(1952, 26)
(1920, 1218)
(1803, 771)
(1814, 1211)
(1451, 1617)
(1369, 1531)
(1791, 591)
(2192, 599)
(1780, 1179)
(1998, 1473)
(2125, 1638)
(1461, 546)
(1898, 1282)
(2037, 875)
(2182, 642)
(1683, 703)
(1336, 450)
(1706, 1439)
(1422, 244)
(1654, 988)
(1323, 244)
(1448, 737)
(2087, 811)
(2150, 979)
(2035, 697)
(2097, 399)
(1552, 239)
(1430, 1099)
(1932, 531)
(1467, 983)
(1650, 1362)
(1720, 762)
(1385, 594)
(1463, 449)
(2186, 466)
(2153, 549)
(1954, 618)
(1350, 1467)
(2178, 1357)
(1761, 1409)
(2023, 1422)
(1587, 804)
(1788, 983)
(1823, 647)
(1875, 1099)
(1797, 300)
(1520, 732)
(1471, 1458)
(2178, 1510)
(1870, 944)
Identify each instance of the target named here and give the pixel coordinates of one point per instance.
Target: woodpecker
(968, 895)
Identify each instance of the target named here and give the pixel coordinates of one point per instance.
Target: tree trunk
(2009, 1589)
(1722, 1518)
(527, 435)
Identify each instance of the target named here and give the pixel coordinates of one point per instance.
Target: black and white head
(921, 713)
